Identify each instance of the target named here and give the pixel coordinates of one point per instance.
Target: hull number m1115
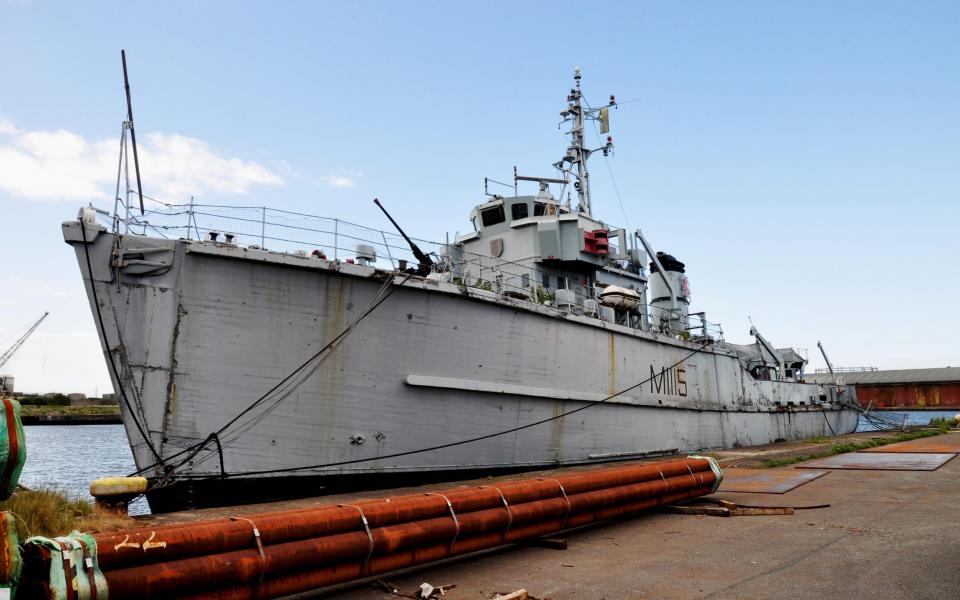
(671, 381)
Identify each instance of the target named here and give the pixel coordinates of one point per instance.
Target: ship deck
(885, 534)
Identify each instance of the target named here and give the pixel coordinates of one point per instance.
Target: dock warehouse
(902, 388)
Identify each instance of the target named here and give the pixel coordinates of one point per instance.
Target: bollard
(113, 494)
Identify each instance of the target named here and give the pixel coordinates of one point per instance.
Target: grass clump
(45, 512)
(942, 423)
(51, 512)
(844, 447)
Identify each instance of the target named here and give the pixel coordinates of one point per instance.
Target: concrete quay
(886, 534)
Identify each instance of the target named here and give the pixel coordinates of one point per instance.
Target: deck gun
(426, 264)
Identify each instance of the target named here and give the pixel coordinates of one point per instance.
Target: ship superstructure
(259, 356)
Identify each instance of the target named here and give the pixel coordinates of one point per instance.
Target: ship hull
(197, 332)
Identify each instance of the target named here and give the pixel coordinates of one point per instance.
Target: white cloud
(183, 165)
(286, 169)
(342, 180)
(29, 288)
(60, 165)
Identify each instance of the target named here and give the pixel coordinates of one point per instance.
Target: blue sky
(801, 158)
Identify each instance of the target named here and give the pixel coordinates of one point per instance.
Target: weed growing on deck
(942, 423)
(843, 448)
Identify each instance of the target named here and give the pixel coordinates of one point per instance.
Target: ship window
(546, 280)
(492, 216)
(519, 211)
(538, 209)
(525, 281)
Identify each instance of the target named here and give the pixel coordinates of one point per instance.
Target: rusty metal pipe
(168, 578)
(126, 548)
(288, 584)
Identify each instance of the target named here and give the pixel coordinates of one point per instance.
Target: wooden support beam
(712, 511)
(761, 511)
(517, 595)
(725, 511)
(547, 542)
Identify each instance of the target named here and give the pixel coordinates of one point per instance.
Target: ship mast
(577, 153)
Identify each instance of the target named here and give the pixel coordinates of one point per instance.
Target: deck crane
(8, 354)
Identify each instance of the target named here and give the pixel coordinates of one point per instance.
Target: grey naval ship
(258, 353)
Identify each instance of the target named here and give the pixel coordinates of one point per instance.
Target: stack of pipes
(277, 554)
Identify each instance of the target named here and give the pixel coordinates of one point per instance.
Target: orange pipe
(125, 548)
(245, 566)
(307, 580)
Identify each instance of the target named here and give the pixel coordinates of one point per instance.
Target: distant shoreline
(70, 415)
(71, 419)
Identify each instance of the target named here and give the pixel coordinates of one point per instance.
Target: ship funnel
(670, 295)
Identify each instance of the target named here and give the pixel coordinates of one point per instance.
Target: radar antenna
(575, 161)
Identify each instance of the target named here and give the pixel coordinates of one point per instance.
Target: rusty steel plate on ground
(893, 461)
(766, 481)
(948, 443)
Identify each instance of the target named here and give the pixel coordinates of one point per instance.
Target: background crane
(6, 356)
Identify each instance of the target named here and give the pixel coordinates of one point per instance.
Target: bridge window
(493, 216)
(519, 211)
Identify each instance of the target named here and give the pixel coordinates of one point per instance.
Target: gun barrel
(417, 252)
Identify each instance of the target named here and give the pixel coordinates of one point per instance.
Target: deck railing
(335, 239)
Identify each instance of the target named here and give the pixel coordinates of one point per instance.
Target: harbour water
(69, 457)
(909, 417)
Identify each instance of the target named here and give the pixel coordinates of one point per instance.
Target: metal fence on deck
(336, 239)
(271, 229)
